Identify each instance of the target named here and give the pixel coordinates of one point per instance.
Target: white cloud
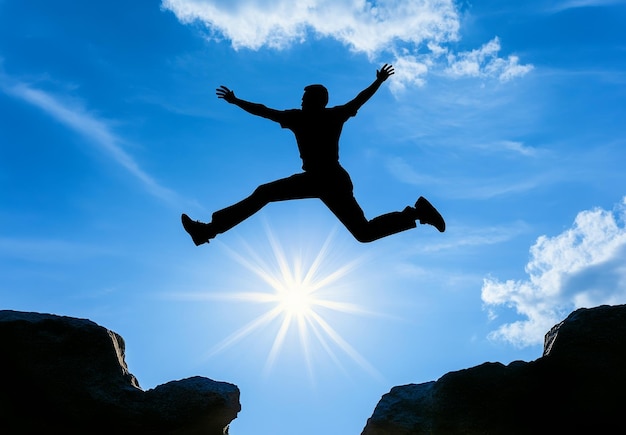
(365, 26)
(94, 129)
(485, 62)
(581, 267)
(408, 71)
(414, 32)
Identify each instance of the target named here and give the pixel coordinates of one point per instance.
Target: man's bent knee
(362, 236)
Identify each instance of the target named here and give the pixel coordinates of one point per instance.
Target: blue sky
(509, 117)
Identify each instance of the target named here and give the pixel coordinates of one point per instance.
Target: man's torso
(317, 134)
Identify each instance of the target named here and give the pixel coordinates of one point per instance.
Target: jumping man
(317, 130)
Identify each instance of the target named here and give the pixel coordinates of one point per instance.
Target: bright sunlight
(296, 300)
(292, 291)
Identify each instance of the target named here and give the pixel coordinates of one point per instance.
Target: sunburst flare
(293, 294)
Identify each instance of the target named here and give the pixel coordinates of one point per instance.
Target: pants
(334, 187)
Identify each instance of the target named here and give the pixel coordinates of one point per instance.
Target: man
(317, 130)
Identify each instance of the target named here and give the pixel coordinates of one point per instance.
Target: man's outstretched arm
(381, 75)
(254, 108)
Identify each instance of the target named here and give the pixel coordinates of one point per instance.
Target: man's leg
(297, 186)
(340, 200)
(348, 211)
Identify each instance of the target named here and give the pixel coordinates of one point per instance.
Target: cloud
(467, 187)
(574, 4)
(519, 148)
(408, 71)
(413, 32)
(582, 267)
(403, 171)
(48, 250)
(512, 147)
(470, 236)
(365, 26)
(485, 62)
(81, 121)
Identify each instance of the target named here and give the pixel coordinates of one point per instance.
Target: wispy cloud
(470, 187)
(512, 147)
(581, 267)
(415, 33)
(494, 187)
(48, 250)
(519, 148)
(403, 171)
(471, 236)
(560, 6)
(96, 130)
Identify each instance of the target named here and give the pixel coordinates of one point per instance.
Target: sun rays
(296, 291)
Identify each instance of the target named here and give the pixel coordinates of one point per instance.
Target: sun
(296, 300)
(293, 289)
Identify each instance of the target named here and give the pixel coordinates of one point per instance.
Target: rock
(575, 387)
(67, 375)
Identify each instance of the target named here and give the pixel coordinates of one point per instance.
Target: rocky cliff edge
(68, 375)
(576, 387)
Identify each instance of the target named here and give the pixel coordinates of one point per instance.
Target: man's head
(315, 97)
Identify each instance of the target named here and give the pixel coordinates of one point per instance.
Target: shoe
(200, 232)
(427, 214)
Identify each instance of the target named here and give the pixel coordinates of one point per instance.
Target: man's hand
(226, 94)
(384, 73)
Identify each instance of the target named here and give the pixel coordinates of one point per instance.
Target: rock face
(576, 387)
(67, 375)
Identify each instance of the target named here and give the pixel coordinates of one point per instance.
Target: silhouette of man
(317, 130)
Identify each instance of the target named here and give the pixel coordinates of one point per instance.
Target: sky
(510, 117)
